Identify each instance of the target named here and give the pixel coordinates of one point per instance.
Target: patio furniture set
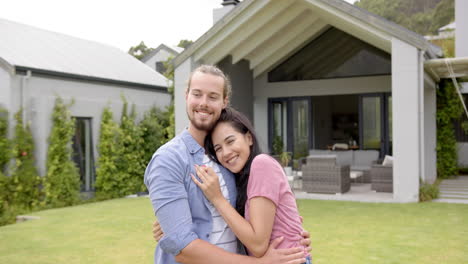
(327, 171)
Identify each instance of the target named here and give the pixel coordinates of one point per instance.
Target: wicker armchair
(321, 174)
(381, 178)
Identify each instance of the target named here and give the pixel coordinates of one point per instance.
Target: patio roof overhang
(265, 32)
(439, 68)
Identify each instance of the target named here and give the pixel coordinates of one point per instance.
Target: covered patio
(290, 60)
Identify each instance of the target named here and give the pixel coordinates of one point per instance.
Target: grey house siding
(39, 94)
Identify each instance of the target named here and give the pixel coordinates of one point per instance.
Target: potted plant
(285, 157)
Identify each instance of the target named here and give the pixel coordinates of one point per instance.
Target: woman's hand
(157, 231)
(209, 183)
(305, 241)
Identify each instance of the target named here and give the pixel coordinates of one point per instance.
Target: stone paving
(359, 192)
(453, 190)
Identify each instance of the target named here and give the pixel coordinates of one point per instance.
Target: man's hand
(157, 231)
(284, 255)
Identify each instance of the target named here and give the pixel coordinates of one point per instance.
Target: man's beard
(201, 126)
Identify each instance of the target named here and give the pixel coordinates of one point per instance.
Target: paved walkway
(453, 190)
(359, 192)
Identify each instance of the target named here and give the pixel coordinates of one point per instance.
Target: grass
(119, 231)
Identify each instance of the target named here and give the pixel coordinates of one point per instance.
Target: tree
(140, 51)
(5, 153)
(421, 16)
(62, 182)
(25, 181)
(184, 43)
(108, 175)
(132, 161)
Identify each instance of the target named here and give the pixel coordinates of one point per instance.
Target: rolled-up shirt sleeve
(164, 178)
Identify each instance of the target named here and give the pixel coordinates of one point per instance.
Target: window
(160, 67)
(334, 54)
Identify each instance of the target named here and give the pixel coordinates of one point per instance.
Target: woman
(264, 196)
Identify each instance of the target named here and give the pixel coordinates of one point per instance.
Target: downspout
(422, 171)
(24, 80)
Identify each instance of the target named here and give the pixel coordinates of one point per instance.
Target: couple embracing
(217, 198)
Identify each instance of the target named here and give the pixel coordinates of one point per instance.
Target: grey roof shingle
(30, 47)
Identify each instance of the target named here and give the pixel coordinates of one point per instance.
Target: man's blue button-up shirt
(178, 203)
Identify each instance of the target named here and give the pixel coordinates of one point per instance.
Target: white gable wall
(162, 55)
(181, 75)
(5, 88)
(90, 99)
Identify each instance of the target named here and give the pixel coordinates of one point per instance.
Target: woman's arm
(255, 235)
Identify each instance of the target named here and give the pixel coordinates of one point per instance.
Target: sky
(119, 23)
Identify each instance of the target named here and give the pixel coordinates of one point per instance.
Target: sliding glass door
(83, 153)
(375, 122)
(290, 126)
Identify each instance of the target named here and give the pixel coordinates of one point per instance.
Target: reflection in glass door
(290, 126)
(371, 122)
(300, 124)
(83, 153)
(375, 123)
(280, 124)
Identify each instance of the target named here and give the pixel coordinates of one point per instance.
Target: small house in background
(156, 58)
(37, 65)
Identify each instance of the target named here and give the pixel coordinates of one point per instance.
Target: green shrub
(153, 132)
(25, 183)
(108, 176)
(62, 181)
(428, 192)
(5, 151)
(449, 109)
(131, 162)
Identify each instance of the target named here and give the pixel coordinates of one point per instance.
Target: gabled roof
(265, 32)
(25, 48)
(171, 49)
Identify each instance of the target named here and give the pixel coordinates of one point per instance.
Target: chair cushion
(319, 152)
(365, 157)
(388, 161)
(344, 157)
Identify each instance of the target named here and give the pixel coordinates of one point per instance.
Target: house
(37, 65)
(318, 72)
(156, 58)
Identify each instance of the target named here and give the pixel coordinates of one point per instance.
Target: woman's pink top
(267, 179)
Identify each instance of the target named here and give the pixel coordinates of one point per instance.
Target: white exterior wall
(430, 131)
(264, 90)
(181, 76)
(162, 55)
(407, 89)
(90, 99)
(462, 148)
(5, 88)
(461, 39)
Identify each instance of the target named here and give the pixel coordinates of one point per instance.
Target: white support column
(181, 76)
(407, 90)
(430, 129)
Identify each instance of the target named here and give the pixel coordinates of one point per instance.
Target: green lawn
(119, 231)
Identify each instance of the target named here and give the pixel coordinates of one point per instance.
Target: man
(193, 230)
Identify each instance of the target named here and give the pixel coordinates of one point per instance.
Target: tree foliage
(107, 174)
(184, 43)
(132, 162)
(449, 109)
(140, 51)
(5, 153)
(25, 183)
(62, 181)
(421, 16)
